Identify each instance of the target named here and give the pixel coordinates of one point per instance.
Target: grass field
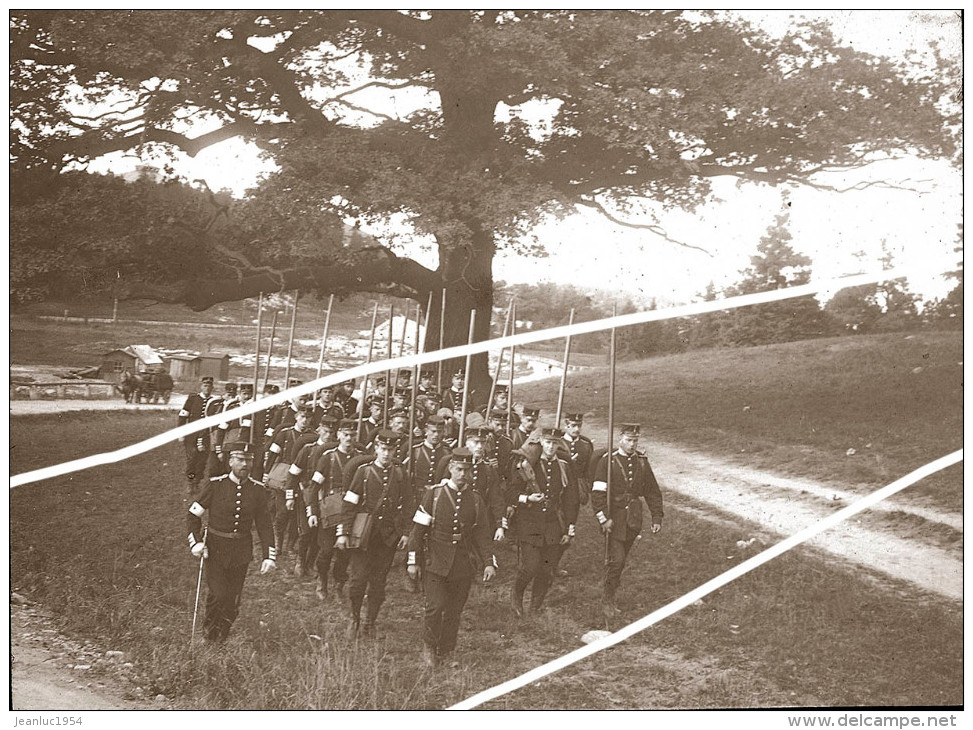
(105, 550)
(797, 408)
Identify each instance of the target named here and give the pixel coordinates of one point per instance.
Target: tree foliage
(633, 105)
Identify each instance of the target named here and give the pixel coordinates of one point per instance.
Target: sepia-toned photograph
(531, 360)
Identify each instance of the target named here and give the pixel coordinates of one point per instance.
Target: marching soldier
(344, 397)
(281, 453)
(374, 523)
(428, 458)
(632, 478)
(399, 425)
(453, 395)
(326, 407)
(324, 497)
(373, 424)
(546, 498)
(485, 480)
(520, 434)
(579, 450)
(234, 503)
(502, 445)
(425, 382)
(449, 545)
(197, 446)
(299, 478)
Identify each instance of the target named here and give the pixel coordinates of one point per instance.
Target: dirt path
(52, 672)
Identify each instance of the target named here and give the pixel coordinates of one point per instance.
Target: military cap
(532, 412)
(231, 387)
(247, 388)
(632, 428)
(329, 421)
(461, 456)
(426, 374)
(375, 400)
(500, 388)
(275, 389)
(498, 414)
(552, 433)
(400, 413)
(269, 388)
(476, 433)
(435, 397)
(347, 424)
(206, 379)
(242, 448)
(292, 382)
(405, 374)
(461, 373)
(387, 437)
(404, 392)
(574, 417)
(435, 420)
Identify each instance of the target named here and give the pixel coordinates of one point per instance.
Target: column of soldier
(344, 488)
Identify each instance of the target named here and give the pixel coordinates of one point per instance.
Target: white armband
(295, 470)
(275, 448)
(288, 494)
(192, 540)
(601, 517)
(412, 558)
(197, 510)
(522, 499)
(422, 517)
(269, 432)
(570, 530)
(599, 487)
(318, 478)
(352, 497)
(307, 511)
(183, 413)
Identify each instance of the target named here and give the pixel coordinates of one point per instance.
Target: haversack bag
(360, 529)
(277, 479)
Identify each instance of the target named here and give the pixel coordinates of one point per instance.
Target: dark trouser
(537, 567)
(307, 537)
(327, 550)
(284, 519)
(369, 570)
(617, 555)
(215, 466)
(224, 583)
(195, 464)
(445, 598)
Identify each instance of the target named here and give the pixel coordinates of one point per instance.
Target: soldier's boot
(537, 598)
(339, 588)
(609, 605)
(368, 628)
(322, 590)
(354, 626)
(517, 598)
(299, 567)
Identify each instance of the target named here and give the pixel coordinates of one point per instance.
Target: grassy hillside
(105, 551)
(896, 399)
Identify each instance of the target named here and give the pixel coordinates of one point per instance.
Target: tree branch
(653, 228)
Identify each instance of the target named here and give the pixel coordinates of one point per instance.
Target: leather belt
(227, 535)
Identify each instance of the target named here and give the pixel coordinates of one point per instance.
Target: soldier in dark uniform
(425, 382)
(373, 423)
(344, 397)
(578, 449)
(324, 496)
(520, 434)
(450, 545)
(631, 479)
(453, 395)
(501, 444)
(381, 489)
(197, 446)
(428, 459)
(233, 504)
(485, 479)
(546, 498)
(284, 448)
(299, 479)
(399, 425)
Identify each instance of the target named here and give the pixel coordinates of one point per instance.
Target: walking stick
(199, 583)
(324, 340)
(270, 349)
(290, 341)
(611, 431)
(388, 373)
(513, 356)
(493, 382)
(256, 357)
(466, 383)
(442, 338)
(364, 385)
(564, 375)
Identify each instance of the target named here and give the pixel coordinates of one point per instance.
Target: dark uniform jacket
(580, 451)
(302, 467)
(453, 400)
(449, 526)
(544, 522)
(518, 437)
(426, 464)
(327, 481)
(632, 478)
(384, 493)
(233, 507)
(196, 407)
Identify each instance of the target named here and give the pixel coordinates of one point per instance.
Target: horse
(128, 385)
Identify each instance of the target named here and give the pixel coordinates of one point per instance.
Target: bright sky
(915, 224)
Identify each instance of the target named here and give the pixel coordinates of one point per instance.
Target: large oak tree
(531, 113)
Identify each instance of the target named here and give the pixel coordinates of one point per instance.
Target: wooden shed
(184, 367)
(136, 358)
(215, 365)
